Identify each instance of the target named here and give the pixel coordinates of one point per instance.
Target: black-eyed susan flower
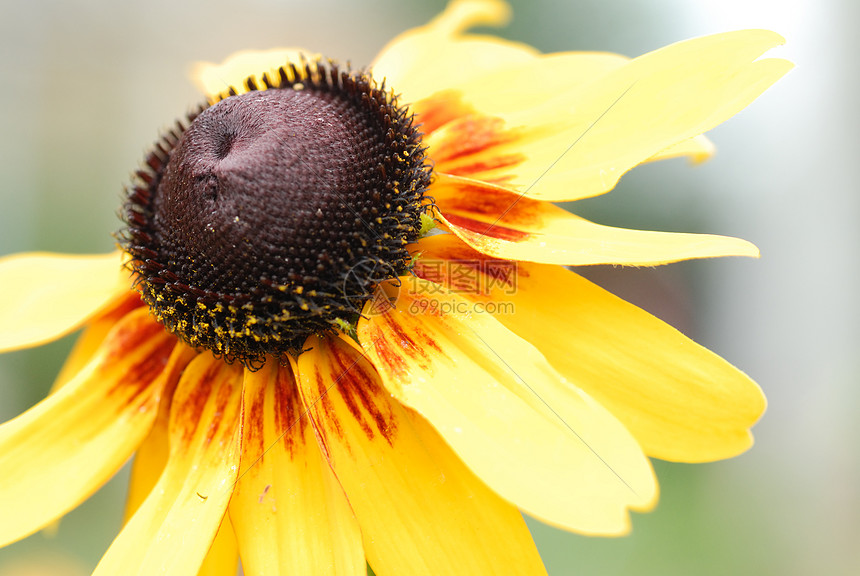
(311, 381)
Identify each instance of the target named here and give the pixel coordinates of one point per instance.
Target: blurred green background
(88, 84)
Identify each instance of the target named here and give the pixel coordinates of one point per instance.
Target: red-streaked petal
(173, 529)
(93, 335)
(421, 511)
(439, 109)
(290, 514)
(488, 148)
(151, 456)
(579, 144)
(505, 225)
(681, 401)
(536, 439)
(538, 81)
(46, 296)
(60, 451)
(149, 463)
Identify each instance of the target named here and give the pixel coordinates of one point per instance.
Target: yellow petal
(511, 90)
(416, 63)
(149, 460)
(214, 79)
(533, 437)
(420, 509)
(62, 450)
(223, 557)
(579, 144)
(86, 347)
(515, 88)
(173, 529)
(149, 463)
(524, 84)
(151, 456)
(681, 401)
(93, 335)
(290, 514)
(502, 224)
(46, 296)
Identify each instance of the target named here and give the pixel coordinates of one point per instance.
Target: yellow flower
(485, 380)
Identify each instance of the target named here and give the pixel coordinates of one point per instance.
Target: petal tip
(460, 15)
(774, 37)
(749, 250)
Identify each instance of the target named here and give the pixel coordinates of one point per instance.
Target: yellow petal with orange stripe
(421, 511)
(149, 463)
(63, 449)
(522, 86)
(579, 144)
(93, 335)
(531, 435)
(290, 514)
(502, 224)
(151, 456)
(173, 529)
(681, 401)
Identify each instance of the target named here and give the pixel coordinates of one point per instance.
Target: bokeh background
(86, 85)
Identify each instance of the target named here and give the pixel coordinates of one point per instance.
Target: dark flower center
(275, 213)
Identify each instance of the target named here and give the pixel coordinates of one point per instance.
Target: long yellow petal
(62, 450)
(524, 84)
(46, 296)
(515, 88)
(290, 514)
(681, 401)
(420, 509)
(223, 556)
(149, 463)
(173, 529)
(502, 224)
(528, 433)
(151, 456)
(579, 144)
(415, 62)
(87, 345)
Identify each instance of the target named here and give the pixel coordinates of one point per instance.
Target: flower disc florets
(273, 214)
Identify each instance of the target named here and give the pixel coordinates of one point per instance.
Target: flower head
(311, 381)
(276, 212)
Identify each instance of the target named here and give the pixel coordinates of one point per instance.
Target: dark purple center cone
(276, 212)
